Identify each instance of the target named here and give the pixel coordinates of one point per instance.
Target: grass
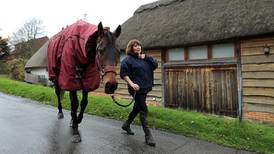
(230, 132)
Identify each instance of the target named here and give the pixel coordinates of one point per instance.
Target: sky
(56, 14)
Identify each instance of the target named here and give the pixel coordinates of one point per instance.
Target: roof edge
(154, 5)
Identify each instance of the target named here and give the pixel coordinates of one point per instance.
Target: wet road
(29, 127)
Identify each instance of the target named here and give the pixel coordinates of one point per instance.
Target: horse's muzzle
(110, 88)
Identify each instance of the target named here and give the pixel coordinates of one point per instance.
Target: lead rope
(122, 105)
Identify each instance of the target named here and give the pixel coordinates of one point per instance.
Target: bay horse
(76, 57)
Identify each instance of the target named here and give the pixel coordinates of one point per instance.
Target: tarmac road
(30, 127)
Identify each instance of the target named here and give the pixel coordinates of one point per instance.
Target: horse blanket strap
(122, 105)
(79, 72)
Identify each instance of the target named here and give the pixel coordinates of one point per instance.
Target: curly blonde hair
(130, 45)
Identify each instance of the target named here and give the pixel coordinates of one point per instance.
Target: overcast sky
(56, 14)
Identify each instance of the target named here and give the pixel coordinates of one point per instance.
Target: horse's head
(107, 56)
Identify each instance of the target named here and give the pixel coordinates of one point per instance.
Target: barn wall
(258, 78)
(155, 95)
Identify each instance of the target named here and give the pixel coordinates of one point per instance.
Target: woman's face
(137, 48)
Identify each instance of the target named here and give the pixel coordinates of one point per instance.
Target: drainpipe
(240, 83)
(240, 99)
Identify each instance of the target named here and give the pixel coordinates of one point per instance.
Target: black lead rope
(122, 105)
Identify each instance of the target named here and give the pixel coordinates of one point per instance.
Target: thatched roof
(168, 23)
(39, 59)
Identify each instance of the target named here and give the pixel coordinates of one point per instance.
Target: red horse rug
(67, 56)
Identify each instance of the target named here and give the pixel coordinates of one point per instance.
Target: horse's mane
(91, 47)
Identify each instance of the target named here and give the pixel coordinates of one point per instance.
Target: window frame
(209, 48)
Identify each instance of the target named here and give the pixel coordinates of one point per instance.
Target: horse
(77, 56)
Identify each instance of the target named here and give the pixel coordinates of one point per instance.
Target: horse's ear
(117, 32)
(100, 29)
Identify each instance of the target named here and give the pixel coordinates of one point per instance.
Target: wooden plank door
(211, 89)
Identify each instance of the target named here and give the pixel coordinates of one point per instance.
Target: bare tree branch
(31, 30)
(4, 48)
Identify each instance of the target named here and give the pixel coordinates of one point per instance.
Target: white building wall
(40, 71)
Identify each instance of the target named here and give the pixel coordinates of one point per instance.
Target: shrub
(16, 68)
(3, 68)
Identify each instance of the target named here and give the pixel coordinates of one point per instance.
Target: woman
(137, 70)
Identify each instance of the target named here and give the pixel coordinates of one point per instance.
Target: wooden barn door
(208, 89)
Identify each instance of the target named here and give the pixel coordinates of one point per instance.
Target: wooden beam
(258, 107)
(257, 43)
(257, 67)
(258, 75)
(259, 59)
(259, 100)
(186, 52)
(258, 92)
(258, 83)
(257, 39)
(209, 52)
(164, 56)
(255, 51)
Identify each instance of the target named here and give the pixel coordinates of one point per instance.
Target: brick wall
(261, 116)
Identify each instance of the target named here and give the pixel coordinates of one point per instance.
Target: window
(202, 52)
(198, 52)
(223, 50)
(28, 70)
(176, 54)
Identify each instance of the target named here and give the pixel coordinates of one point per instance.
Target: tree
(4, 48)
(30, 30)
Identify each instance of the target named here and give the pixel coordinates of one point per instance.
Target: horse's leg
(58, 92)
(74, 124)
(74, 106)
(83, 105)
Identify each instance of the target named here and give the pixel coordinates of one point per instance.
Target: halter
(105, 69)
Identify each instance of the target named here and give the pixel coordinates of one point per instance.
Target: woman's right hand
(135, 86)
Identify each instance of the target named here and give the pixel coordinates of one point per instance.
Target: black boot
(149, 139)
(126, 125)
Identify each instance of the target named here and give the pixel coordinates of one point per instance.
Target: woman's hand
(142, 56)
(135, 86)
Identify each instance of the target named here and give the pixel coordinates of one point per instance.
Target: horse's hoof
(76, 138)
(60, 115)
